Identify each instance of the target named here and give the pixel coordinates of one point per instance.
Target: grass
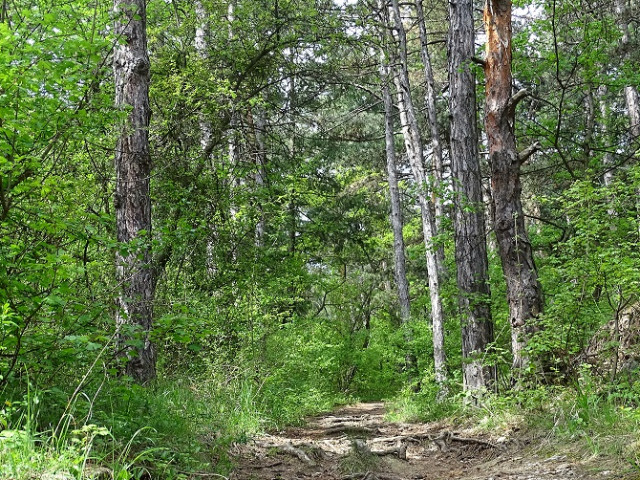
(587, 422)
(182, 426)
(169, 430)
(359, 460)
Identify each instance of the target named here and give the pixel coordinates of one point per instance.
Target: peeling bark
(524, 293)
(132, 199)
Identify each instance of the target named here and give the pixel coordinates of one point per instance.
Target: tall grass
(168, 430)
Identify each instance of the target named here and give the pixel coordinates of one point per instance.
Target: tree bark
(132, 198)
(202, 49)
(524, 293)
(413, 143)
(631, 95)
(632, 99)
(400, 269)
(470, 235)
(432, 121)
(206, 131)
(607, 160)
(260, 175)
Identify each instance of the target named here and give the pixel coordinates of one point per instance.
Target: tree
(414, 148)
(135, 271)
(470, 241)
(524, 293)
(400, 268)
(434, 128)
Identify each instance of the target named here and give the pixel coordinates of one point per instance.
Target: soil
(357, 443)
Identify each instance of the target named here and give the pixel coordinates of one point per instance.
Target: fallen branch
(443, 441)
(402, 438)
(343, 419)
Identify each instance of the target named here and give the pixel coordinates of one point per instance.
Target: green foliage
(423, 406)
(51, 232)
(256, 329)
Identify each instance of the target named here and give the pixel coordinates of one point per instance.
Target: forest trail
(357, 443)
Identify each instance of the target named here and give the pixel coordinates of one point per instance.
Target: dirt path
(356, 443)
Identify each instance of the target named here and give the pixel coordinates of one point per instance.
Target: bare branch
(527, 152)
(516, 98)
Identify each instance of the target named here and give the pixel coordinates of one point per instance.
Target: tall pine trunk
(413, 143)
(470, 234)
(135, 273)
(524, 293)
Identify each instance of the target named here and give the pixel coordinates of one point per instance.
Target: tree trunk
(470, 235)
(632, 99)
(413, 143)
(260, 176)
(202, 49)
(206, 130)
(631, 96)
(396, 207)
(134, 271)
(607, 160)
(523, 290)
(432, 121)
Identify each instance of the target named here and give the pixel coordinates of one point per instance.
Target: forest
(220, 217)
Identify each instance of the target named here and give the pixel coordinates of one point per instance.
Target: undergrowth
(168, 430)
(590, 420)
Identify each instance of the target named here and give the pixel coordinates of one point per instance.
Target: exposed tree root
(399, 450)
(371, 476)
(443, 440)
(291, 450)
(343, 428)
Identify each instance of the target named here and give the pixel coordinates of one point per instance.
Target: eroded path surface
(357, 443)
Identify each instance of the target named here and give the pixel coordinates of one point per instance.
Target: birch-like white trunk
(206, 130)
(607, 161)
(434, 128)
(414, 146)
(400, 268)
(260, 175)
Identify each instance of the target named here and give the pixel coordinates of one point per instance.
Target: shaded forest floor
(358, 443)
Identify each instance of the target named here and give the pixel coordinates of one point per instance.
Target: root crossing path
(357, 443)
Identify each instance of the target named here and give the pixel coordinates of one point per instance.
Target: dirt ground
(357, 443)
